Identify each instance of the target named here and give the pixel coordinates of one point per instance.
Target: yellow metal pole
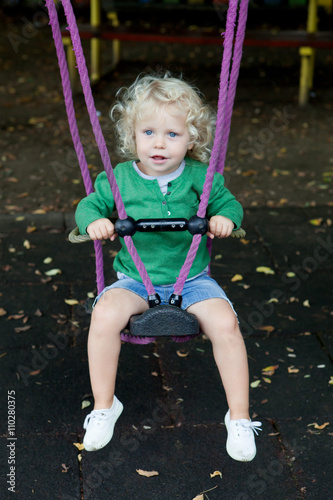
(71, 62)
(308, 56)
(312, 22)
(113, 18)
(95, 43)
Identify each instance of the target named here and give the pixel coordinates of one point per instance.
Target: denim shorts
(197, 289)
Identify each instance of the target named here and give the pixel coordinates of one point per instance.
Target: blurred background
(282, 81)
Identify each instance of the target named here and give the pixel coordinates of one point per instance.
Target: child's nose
(159, 143)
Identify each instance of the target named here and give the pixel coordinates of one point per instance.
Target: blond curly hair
(158, 90)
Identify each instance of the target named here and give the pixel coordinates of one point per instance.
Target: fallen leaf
(265, 270)
(85, 404)
(71, 302)
(270, 370)
(237, 277)
(291, 369)
(199, 497)
(52, 272)
(64, 468)
(255, 384)
(182, 354)
(39, 211)
(20, 329)
(316, 222)
(216, 473)
(16, 316)
(34, 372)
(31, 229)
(79, 446)
(248, 173)
(330, 380)
(267, 328)
(273, 299)
(306, 303)
(147, 473)
(26, 244)
(3, 354)
(267, 380)
(3, 311)
(47, 260)
(319, 427)
(113, 253)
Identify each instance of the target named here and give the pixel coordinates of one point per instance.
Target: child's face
(162, 140)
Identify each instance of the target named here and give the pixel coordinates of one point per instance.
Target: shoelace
(249, 425)
(96, 415)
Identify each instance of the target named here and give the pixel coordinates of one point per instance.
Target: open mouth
(158, 158)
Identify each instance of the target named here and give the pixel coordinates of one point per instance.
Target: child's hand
(101, 229)
(220, 226)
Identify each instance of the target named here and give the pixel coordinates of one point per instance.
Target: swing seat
(164, 321)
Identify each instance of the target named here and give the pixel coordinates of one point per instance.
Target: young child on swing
(165, 132)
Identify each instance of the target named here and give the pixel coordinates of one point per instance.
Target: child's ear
(190, 146)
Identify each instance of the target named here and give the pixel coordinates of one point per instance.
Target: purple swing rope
(68, 96)
(84, 77)
(238, 52)
(219, 138)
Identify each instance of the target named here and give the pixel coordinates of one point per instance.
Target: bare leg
(219, 323)
(110, 315)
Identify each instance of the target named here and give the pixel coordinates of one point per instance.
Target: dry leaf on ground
(182, 354)
(270, 370)
(237, 277)
(265, 270)
(255, 384)
(147, 473)
(79, 446)
(319, 427)
(216, 473)
(52, 272)
(71, 302)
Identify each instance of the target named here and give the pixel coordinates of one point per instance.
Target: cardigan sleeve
(97, 205)
(222, 202)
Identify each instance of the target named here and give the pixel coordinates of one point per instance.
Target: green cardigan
(163, 253)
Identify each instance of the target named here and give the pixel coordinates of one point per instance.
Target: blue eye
(148, 132)
(173, 134)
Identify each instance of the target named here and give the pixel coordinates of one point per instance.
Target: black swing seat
(164, 321)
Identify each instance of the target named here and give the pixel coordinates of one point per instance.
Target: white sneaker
(99, 425)
(240, 442)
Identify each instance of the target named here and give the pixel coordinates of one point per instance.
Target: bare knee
(105, 313)
(114, 309)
